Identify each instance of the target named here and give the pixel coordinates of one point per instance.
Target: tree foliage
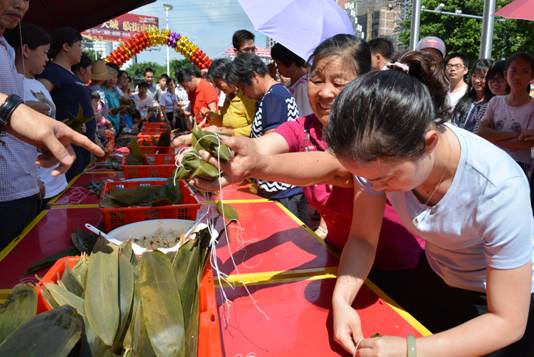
(462, 35)
(136, 71)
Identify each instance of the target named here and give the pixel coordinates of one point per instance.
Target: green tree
(463, 35)
(137, 70)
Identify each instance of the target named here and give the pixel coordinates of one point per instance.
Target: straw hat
(100, 72)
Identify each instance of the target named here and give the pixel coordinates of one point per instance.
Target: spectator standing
(275, 106)
(202, 95)
(456, 70)
(290, 65)
(19, 200)
(144, 103)
(84, 69)
(381, 52)
(31, 58)
(69, 93)
(243, 42)
(472, 106)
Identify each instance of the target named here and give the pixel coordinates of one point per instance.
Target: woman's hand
(387, 346)
(526, 135)
(183, 140)
(347, 326)
(239, 167)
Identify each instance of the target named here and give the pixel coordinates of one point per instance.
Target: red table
(48, 234)
(77, 192)
(295, 319)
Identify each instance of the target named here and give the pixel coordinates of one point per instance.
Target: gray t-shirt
(484, 219)
(18, 173)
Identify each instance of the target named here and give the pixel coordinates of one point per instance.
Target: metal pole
(487, 29)
(167, 7)
(416, 18)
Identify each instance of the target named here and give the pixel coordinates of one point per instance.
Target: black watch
(7, 109)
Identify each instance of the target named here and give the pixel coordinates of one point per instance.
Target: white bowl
(155, 229)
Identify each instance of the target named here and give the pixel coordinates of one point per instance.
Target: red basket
(156, 149)
(209, 337)
(159, 165)
(147, 139)
(152, 131)
(156, 125)
(115, 217)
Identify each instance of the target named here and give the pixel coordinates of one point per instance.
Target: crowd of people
(417, 164)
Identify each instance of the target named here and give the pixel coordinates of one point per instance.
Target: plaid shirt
(18, 172)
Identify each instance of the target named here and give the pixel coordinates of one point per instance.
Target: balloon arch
(156, 37)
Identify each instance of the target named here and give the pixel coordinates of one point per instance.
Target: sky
(207, 23)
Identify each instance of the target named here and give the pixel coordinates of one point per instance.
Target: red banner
(122, 27)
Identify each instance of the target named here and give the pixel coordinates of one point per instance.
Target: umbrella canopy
(299, 25)
(518, 9)
(79, 14)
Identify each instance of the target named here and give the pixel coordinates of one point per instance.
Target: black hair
(463, 105)
(170, 80)
(61, 36)
(85, 61)
(148, 69)
(241, 36)
(385, 114)
(143, 84)
(464, 59)
(243, 68)
(354, 52)
(31, 35)
(164, 75)
(286, 56)
(185, 75)
(383, 46)
(219, 69)
(521, 56)
(121, 72)
(497, 69)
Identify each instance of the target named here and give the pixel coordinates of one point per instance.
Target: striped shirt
(18, 172)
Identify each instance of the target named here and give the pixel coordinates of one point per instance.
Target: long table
(274, 276)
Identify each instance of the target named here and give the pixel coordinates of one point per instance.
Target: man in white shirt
(456, 69)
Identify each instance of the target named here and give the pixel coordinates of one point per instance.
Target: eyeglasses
(455, 66)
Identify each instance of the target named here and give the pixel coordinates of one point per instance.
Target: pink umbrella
(518, 9)
(299, 25)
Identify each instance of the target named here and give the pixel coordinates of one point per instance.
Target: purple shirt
(397, 248)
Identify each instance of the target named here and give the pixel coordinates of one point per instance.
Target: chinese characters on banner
(122, 27)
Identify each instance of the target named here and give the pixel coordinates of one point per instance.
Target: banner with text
(121, 27)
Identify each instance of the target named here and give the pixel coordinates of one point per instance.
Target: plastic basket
(147, 139)
(115, 217)
(136, 171)
(159, 165)
(156, 125)
(152, 131)
(209, 337)
(156, 149)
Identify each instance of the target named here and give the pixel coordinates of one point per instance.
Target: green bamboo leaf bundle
(143, 196)
(19, 308)
(102, 295)
(161, 304)
(52, 333)
(210, 142)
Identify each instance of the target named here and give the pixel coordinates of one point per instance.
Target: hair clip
(398, 66)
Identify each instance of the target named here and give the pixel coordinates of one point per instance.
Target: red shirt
(203, 95)
(397, 248)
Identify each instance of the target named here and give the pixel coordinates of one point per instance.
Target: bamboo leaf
(136, 339)
(102, 295)
(71, 283)
(126, 292)
(52, 333)
(161, 305)
(20, 307)
(229, 212)
(64, 297)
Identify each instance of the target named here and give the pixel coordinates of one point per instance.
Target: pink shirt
(397, 248)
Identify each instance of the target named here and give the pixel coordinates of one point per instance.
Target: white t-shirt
(454, 97)
(183, 98)
(142, 105)
(36, 91)
(507, 118)
(484, 219)
(299, 89)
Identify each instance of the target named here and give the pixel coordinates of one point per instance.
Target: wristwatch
(7, 109)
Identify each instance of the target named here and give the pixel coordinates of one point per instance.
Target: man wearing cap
(434, 46)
